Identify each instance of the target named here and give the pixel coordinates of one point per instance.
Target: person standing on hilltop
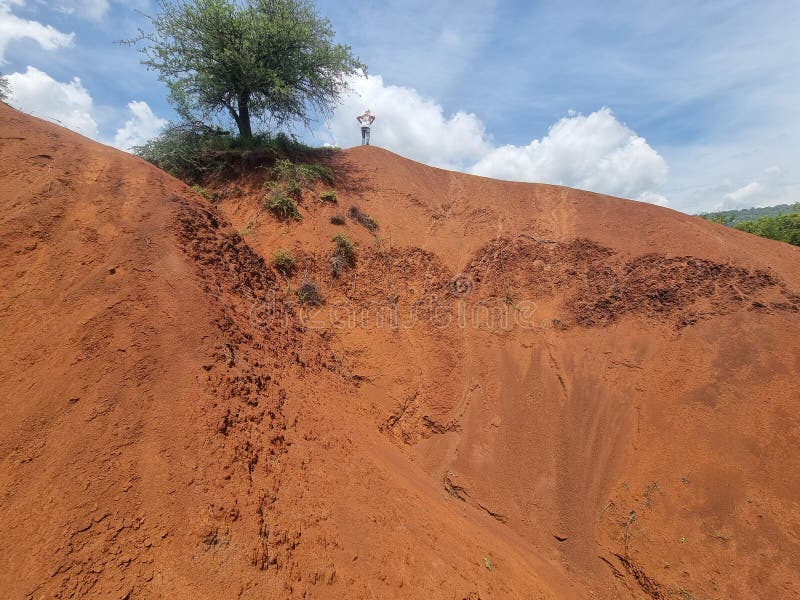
(366, 122)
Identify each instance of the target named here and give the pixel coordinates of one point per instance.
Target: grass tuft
(363, 218)
(344, 254)
(309, 293)
(284, 261)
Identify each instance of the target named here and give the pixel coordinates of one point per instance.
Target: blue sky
(690, 104)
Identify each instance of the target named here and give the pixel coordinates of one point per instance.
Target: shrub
(297, 177)
(329, 196)
(338, 220)
(344, 254)
(360, 216)
(309, 293)
(282, 206)
(321, 173)
(192, 151)
(202, 191)
(284, 261)
(5, 90)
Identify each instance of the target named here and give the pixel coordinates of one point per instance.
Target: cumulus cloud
(13, 28)
(68, 103)
(743, 195)
(71, 105)
(142, 126)
(594, 152)
(409, 124)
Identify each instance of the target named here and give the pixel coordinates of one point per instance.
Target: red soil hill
(517, 391)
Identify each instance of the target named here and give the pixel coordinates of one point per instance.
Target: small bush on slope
(282, 206)
(344, 254)
(309, 293)
(284, 261)
(285, 189)
(360, 216)
(297, 177)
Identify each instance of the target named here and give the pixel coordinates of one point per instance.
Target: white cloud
(653, 198)
(743, 195)
(13, 28)
(594, 152)
(142, 126)
(71, 105)
(409, 124)
(90, 9)
(67, 103)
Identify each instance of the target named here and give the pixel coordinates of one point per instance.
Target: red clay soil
(516, 391)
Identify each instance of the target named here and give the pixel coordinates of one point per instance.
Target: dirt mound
(514, 391)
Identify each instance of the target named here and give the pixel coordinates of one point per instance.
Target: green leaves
(268, 60)
(4, 88)
(784, 228)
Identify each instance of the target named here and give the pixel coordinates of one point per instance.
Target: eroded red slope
(604, 406)
(615, 382)
(171, 428)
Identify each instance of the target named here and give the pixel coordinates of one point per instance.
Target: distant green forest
(780, 222)
(733, 217)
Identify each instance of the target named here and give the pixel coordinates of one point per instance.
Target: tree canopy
(268, 60)
(784, 228)
(4, 88)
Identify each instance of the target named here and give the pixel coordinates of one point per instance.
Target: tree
(784, 228)
(254, 59)
(5, 90)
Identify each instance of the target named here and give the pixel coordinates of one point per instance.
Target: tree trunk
(243, 120)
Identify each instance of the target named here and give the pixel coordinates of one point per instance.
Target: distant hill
(780, 222)
(734, 217)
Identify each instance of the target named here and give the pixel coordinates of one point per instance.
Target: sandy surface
(518, 391)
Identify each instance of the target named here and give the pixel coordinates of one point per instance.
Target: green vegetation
(5, 90)
(360, 216)
(193, 152)
(294, 178)
(284, 261)
(329, 196)
(248, 229)
(202, 191)
(282, 206)
(487, 562)
(344, 254)
(247, 59)
(780, 222)
(309, 293)
(784, 228)
(285, 189)
(731, 218)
